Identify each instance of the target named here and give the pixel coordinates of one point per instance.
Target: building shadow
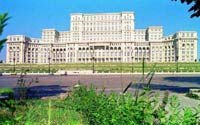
(159, 87)
(43, 91)
(190, 79)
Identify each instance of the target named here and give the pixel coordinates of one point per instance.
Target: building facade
(103, 37)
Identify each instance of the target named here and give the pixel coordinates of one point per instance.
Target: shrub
(118, 109)
(7, 91)
(192, 95)
(7, 106)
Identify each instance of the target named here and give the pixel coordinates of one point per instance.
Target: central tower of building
(102, 26)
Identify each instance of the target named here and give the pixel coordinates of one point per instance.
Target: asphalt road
(174, 83)
(55, 85)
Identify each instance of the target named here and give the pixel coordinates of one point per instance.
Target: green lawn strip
(103, 67)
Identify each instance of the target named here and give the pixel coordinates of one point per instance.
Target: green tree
(195, 7)
(3, 22)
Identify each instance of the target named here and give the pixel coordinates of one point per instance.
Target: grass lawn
(103, 67)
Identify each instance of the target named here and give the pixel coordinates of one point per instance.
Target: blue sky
(29, 17)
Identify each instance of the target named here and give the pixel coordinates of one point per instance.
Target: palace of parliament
(103, 37)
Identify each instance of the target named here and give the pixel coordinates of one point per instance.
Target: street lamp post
(49, 65)
(30, 66)
(132, 63)
(121, 68)
(93, 60)
(49, 59)
(77, 61)
(143, 66)
(93, 70)
(14, 64)
(177, 64)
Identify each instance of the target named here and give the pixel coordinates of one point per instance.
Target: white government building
(103, 37)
